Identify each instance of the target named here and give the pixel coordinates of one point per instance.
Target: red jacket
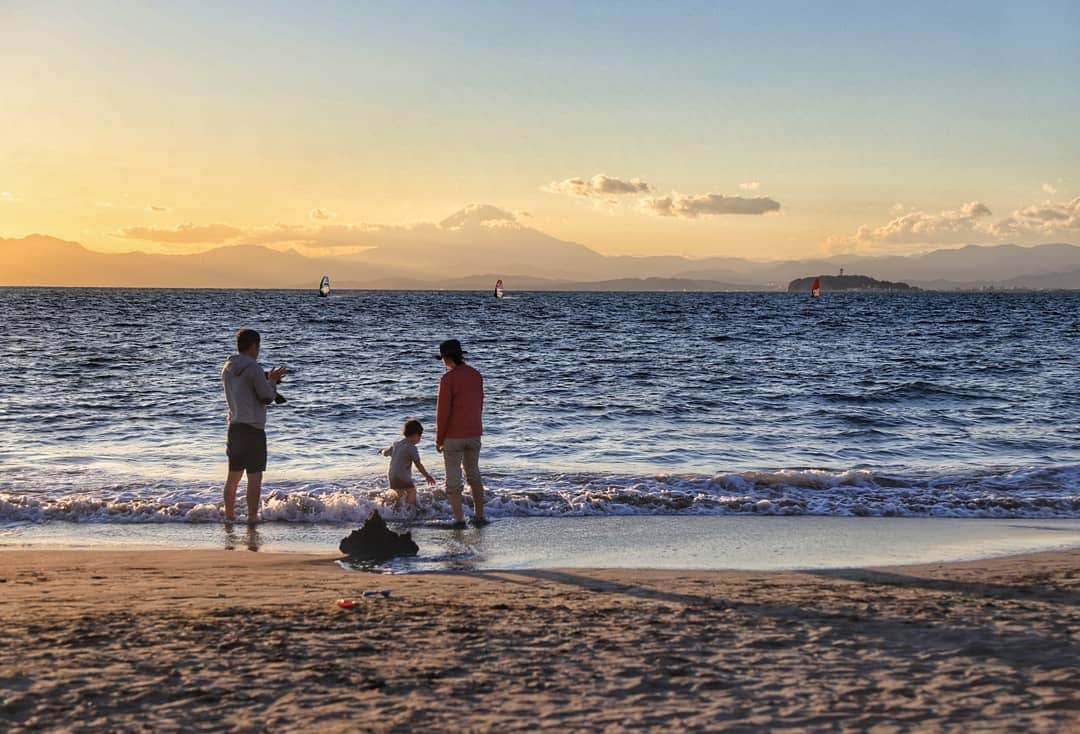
(460, 404)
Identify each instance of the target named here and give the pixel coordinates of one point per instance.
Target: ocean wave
(1045, 492)
(953, 321)
(917, 390)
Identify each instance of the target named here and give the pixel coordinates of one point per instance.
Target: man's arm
(266, 388)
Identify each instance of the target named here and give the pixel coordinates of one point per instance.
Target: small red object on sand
(346, 603)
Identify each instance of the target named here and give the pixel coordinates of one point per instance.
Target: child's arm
(420, 466)
(384, 452)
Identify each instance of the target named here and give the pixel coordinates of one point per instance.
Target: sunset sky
(774, 131)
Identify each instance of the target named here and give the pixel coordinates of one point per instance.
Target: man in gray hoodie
(248, 390)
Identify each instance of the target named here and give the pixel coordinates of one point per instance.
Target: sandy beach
(236, 641)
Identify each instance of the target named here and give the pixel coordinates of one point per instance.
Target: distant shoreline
(487, 291)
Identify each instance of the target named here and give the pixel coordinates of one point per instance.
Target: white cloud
(750, 186)
(318, 213)
(182, 233)
(706, 205)
(967, 225)
(1040, 219)
(9, 197)
(917, 227)
(599, 187)
(157, 209)
(1049, 189)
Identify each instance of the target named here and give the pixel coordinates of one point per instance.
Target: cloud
(1040, 219)
(182, 233)
(607, 189)
(1049, 189)
(322, 235)
(318, 213)
(103, 204)
(599, 187)
(688, 206)
(918, 227)
(479, 215)
(158, 209)
(470, 218)
(965, 225)
(9, 197)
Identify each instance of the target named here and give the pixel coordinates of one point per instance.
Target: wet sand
(223, 641)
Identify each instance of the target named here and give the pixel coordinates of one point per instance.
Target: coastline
(673, 542)
(220, 640)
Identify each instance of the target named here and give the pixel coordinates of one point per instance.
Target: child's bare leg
(410, 498)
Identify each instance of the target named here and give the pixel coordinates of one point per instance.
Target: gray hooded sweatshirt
(247, 391)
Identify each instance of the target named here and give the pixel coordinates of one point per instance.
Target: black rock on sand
(376, 542)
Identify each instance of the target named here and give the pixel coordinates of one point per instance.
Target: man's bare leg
(231, 483)
(455, 506)
(254, 494)
(478, 501)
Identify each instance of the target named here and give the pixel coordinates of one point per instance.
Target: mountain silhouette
(481, 242)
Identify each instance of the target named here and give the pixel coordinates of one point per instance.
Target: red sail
(815, 289)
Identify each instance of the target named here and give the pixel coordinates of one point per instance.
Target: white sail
(324, 286)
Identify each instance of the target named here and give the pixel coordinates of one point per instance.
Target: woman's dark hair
(246, 338)
(458, 358)
(413, 427)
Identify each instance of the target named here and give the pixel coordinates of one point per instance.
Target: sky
(771, 131)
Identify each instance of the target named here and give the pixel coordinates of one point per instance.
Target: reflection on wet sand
(465, 550)
(252, 540)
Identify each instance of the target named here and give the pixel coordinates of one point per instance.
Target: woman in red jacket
(458, 427)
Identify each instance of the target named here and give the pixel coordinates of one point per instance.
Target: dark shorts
(246, 448)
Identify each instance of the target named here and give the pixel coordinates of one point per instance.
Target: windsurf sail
(815, 289)
(499, 288)
(324, 286)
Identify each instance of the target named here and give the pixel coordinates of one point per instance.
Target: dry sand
(217, 640)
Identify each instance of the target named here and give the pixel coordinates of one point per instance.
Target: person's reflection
(252, 539)
(464, 550)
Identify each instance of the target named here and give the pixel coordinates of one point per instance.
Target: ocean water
(598, 404)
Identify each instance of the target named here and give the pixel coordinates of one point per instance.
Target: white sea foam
(1045, 492)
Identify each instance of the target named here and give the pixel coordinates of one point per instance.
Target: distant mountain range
(470, 255)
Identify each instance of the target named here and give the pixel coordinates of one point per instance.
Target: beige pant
(458, 452)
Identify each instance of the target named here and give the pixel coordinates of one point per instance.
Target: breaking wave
(1045, 492)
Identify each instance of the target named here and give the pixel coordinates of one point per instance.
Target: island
(859, 283)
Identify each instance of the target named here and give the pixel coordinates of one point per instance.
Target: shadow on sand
(874, 626)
